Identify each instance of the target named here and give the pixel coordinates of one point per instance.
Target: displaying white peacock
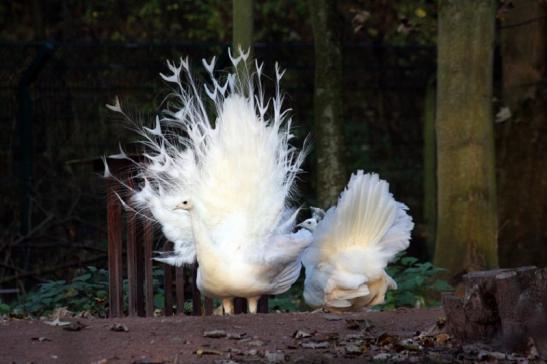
(221, 187)
(353, 243)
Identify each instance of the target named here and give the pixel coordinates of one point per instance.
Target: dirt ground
(396, 336)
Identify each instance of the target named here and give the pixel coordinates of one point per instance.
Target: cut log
(506, 306)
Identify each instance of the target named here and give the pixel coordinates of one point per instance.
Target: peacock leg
(228, 305)
(252, 304)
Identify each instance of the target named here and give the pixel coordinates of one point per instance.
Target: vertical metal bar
(208, 306)
(263, 304)
(114, 224)
(196, 295)
(179, 286)
(148, 236)
(132, 282)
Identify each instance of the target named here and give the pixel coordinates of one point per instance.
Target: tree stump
(505, 306)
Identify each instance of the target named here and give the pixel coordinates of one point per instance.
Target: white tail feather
(354, 243)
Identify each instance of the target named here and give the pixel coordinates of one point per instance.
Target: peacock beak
(180, 206)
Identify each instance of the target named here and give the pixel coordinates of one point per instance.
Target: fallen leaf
(235, 351)
(385, 339)
(61, 312)
(206, 351)
(489, 355)
(315, 345)
(408, 344)
(74, 326)
(235, 336)
(328, 336)
(215, 334)
(274, 357)
(442, 338)
(119, 327)
(381, 356)
(354, 337)
(40, 339)
(292, 346)
(300, 334)
(57, 322)
(145, 360)
(256, 343)
(332, 317)
(441, 321)
(102, 361)
(353, 350)
(353, 324)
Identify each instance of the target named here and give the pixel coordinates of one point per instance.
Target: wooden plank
(131, 252)
(140, 268)
(168, 283)
(179, 286)
(208, 306)
(263, 304)
(168, 289)
(114, 223)
(148, 236)
(196, 295)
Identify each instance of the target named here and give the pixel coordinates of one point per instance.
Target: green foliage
(88, 291)
(290, 301)
(418, 284)
(4, 308)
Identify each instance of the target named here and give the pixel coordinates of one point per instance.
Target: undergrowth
(418, 286)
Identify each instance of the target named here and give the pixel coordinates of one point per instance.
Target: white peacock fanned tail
(184, 138)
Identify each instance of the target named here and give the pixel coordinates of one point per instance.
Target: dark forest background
(62, 61)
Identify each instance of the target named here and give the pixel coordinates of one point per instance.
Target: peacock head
(184, 205)
(309, 224)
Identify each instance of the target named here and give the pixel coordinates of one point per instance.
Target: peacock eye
(185, 202)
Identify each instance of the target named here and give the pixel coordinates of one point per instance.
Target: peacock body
(353, 243)
(221, 187)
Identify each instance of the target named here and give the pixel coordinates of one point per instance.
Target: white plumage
(353, 244)
(221, 190)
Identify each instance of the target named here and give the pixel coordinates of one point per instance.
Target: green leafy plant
(4, 308)
(418, 284)
(88, 291)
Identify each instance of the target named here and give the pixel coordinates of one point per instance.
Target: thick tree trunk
(467, 224)
(328, 102)
(430, 176)
(243, 24)
(522, 140)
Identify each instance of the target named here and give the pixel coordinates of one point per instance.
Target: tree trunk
(328, 102)
(467, 224)
(522, 140)
(430, 177)
(243, 24)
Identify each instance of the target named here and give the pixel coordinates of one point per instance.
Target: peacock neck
(202, 237)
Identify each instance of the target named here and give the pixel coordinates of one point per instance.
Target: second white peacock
(221, 189)
(353, 243)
